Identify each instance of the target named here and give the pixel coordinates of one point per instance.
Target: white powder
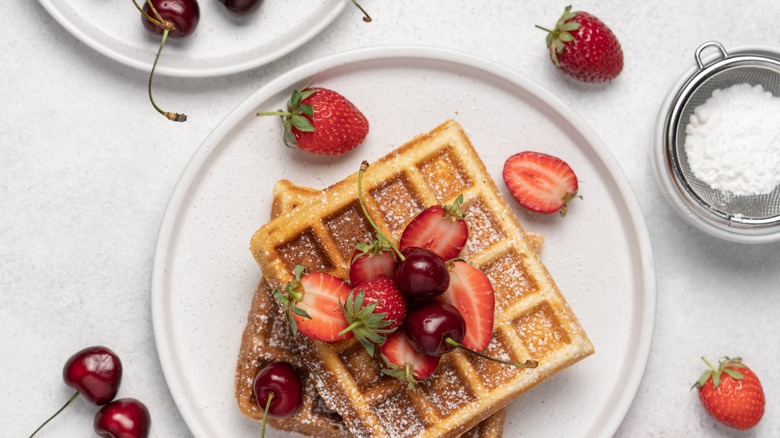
(733, 140)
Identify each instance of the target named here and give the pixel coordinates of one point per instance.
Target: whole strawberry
(584, 47)
(732, 393)
(373, 309)
(321, 121)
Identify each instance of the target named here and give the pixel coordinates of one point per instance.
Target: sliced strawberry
(540, 182)
(471, 293)
(373, 309)
(371, 260)
(312, 305)
(404, 362)
(438, 228)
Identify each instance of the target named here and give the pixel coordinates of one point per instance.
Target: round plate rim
(300, 75)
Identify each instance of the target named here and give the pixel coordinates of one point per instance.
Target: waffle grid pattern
(267, 339)
(532, 319)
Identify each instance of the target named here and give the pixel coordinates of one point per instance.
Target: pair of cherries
(95, 373)
(422, 275)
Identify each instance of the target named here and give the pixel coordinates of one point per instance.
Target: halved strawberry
(471, 293)
(373, 309)
(311, 302)
(404, 362)
(439, 228)
(540, 182)
(371, 260)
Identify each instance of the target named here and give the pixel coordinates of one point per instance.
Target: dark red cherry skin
(95, 372)
(422, 273)
(429, 325)
(241, 7)
(281, 379)
(123, 418)
(184, 14)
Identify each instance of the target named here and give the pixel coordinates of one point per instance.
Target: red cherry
(429, 326)
(123, 418)
(174, 18)
(280, 382)
(241, 7)
(184, 14)
(95, 372)
(436, 328)
(421, 273)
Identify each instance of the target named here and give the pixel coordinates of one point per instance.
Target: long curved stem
(363, 167)
(70, 400)
(156, 21)
(265, 413)
(530, 363)
(176, 117)
(366, 17)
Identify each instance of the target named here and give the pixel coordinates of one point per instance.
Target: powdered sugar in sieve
(733, 140)
(722, 140)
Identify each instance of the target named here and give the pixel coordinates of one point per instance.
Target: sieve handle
(701, 48)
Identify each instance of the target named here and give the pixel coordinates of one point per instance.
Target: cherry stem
(265, 413)
(175, 117)
(363, 167)
(366, 17)
(73, 397)
(157, 20)
(530, 363)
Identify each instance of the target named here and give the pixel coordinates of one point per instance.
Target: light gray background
(87, 167)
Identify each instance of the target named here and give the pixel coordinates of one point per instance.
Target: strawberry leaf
(570, 26)
(288, 298)
(307, 92)
(300, 312)
(296, 99)
(368, 327)
(703, 379)
(301, 123)
(289, 137)
(735, 374)
(454, 211)
(308, 110)
(565, 37)
(402, 373)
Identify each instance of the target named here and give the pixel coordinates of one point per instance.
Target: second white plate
(222, 44)
(599, 254)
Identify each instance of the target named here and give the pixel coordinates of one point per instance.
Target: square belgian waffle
(267, 338)
(532, 319)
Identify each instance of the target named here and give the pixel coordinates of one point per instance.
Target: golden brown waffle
(532, 318)
(265, 340)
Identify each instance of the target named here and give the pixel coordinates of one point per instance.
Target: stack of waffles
(267, 339)
(532, 319)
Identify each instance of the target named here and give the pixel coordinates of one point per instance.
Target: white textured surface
(87, 168)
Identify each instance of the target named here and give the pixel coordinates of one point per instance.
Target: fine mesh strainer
(744, 214)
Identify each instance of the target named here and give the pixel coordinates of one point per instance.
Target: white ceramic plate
(222, 44)
(204, 274)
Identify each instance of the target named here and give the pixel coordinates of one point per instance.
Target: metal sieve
(744, 214)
